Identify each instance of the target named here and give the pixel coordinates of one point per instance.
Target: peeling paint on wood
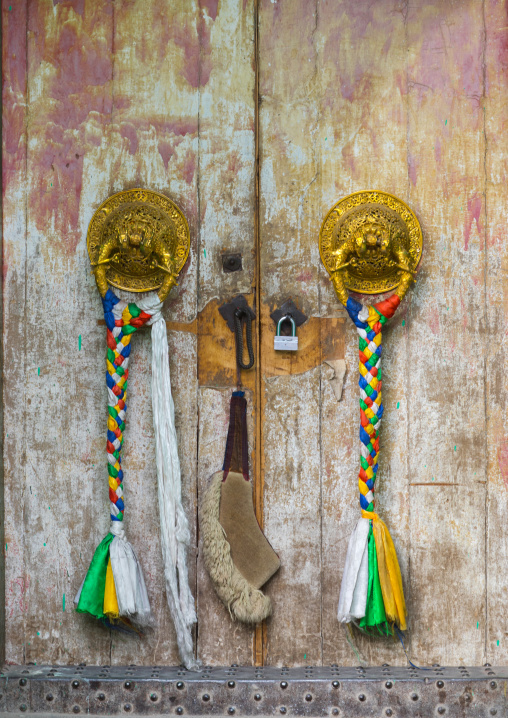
(99, 96)
(496, 287)
(390, 97)
(446, 335)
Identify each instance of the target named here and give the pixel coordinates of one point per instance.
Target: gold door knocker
(370, 242)
(138, 240)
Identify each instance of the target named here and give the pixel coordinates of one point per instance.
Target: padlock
(286, 344)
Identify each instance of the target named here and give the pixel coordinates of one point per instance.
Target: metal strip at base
(384, 692)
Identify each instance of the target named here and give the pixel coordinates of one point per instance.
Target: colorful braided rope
(114, 589)
(122, 321)
(369, 321)
(372, 595)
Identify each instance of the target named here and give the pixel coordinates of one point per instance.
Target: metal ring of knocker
(337, 279)
(239, 315)
(99, 271)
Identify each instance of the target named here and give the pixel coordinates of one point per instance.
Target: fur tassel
(245, 603)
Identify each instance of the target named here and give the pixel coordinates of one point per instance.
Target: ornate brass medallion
(138, 240)
(373, 238)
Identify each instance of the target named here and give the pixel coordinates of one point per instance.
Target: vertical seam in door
(486, 319)
(258, 477)
(25, 298)
(198, 265)
(2, 494)
(407, 339)
(317, 171)
(113, 29)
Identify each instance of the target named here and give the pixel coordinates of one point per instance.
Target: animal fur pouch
(236, 553)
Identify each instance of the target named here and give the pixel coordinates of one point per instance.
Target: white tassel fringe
(355, 579)
(175, 534)
(130, 586)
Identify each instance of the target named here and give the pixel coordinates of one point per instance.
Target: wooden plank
(69, 110)
(446, 357)
(226, 199)
(90, 154)
(154, 141)
(222, 641)
(361, 145)
(226, 147)
(288, 120)
(14, 139)
(496, 165)
(155, 124)
(292, 516)
(339, 109)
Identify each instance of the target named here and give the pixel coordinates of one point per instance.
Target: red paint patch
(189, 167)
(197, 64)
(166, 151)
(14, 75)
(234, 163)
(182, 127)
(212, 7)
(502, 461)
(73, 112)
(348, 155)
(401, 82)
(464, 75)
(412, 169)
(437, 151)
(474, 209)
(77, 5)
(434, 322)
(128, 132)
(14, 50)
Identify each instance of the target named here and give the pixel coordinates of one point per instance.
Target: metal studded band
(321, 691)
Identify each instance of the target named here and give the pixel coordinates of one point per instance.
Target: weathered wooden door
(255, 118)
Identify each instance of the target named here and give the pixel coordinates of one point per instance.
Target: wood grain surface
(180, 96)
(496, 321)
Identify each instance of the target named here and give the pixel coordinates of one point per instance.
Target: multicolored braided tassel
(371, 593)
(99, 595)
(114, 588)
(121, 325)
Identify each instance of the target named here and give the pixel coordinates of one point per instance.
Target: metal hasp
(290, 312)
(228, 310)
(237, 313)
(311, 691)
